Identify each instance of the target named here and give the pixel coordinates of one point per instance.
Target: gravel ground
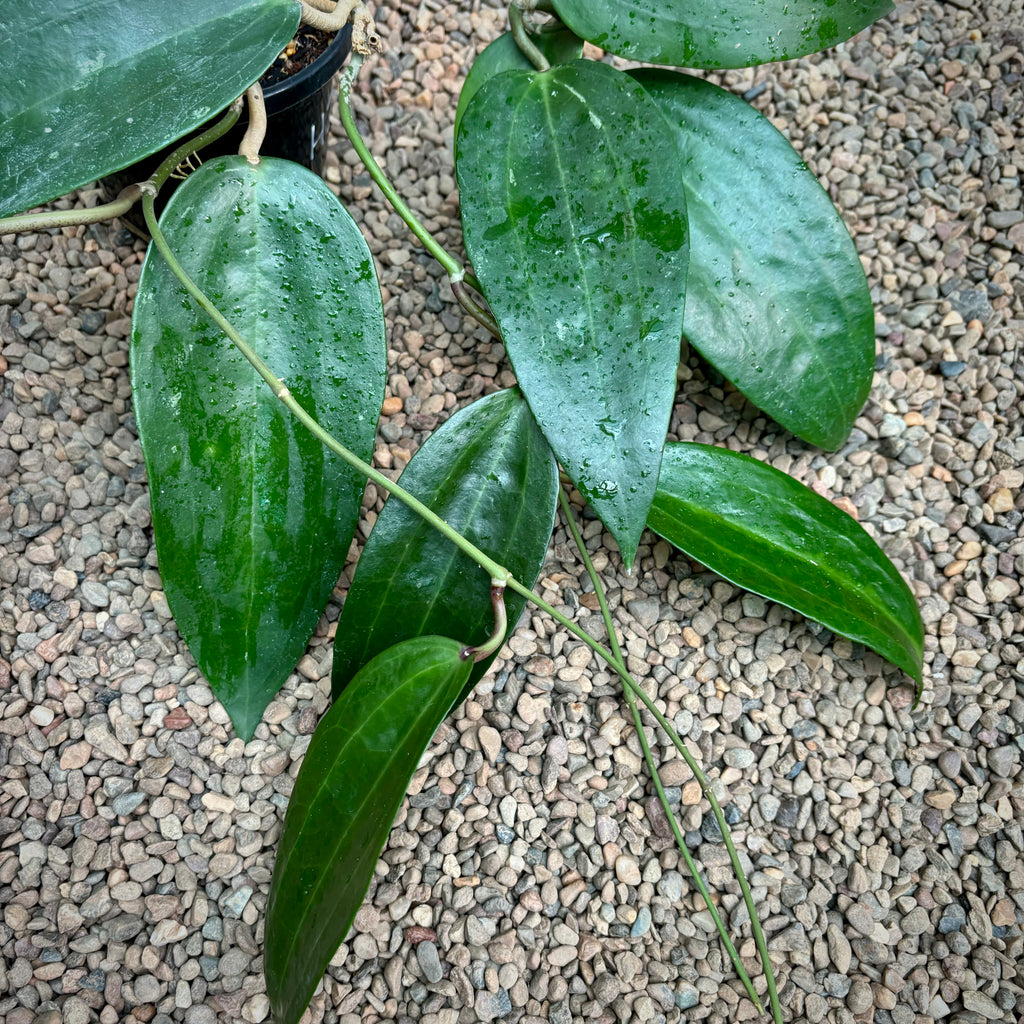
(530, 877)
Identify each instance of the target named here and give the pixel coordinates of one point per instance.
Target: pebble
(429, 961)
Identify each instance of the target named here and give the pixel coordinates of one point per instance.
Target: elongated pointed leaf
(776, 296)
(762, 530)
(503, 54)
(575, 223)
(345, 799)
(489, 473)
(718, 33)
(252, 515)
(90, 86)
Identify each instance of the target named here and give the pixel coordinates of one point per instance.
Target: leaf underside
(95, 86)
(575, 223)
(764, 531)
(718, 33)
(252, 515)
(488, 473)
(776, 297)
(353, 778)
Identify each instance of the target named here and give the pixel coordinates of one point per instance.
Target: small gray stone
(859, 999)
(949, 763)
(983, 1004)
(493, 1005)
(429, 961)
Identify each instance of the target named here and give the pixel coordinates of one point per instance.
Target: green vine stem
(42, 221)
(452, 267)
(498, 573)
(523, 40)
(620, 667)
(607, 656)
(129, 196)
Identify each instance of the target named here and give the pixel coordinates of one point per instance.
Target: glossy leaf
(489, 473)
(776, 297)
(252, 515)
(575, 224)
(560, 47)
(350, 787)
(92, 86)
(718, 33)
(764, 531)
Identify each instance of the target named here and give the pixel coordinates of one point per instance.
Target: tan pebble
(490, 742)
(968, 550)
(1003, 914)
(941, 799)
(954, 568)
(76, 756)
(1001, 500)
(627, 870)
(691, 794)
(914, 419)
(844, 503)
(691, 637)
(943, 474)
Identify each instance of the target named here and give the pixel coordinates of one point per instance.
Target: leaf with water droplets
(718, 33)
(504, 54)
(91, 86)
(764, 531)
(252, 515)
(776, 297)
(350, 787)
(488, 473)
(575, 223)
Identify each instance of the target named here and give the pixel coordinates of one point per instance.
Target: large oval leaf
(559, 47)
(764, 531)
(252, 515)
(91, 86)
(349, 790)
(575, 223)
(776, 297)
(718, 33)
(489, 473)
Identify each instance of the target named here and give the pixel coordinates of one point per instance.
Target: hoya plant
(607, 215)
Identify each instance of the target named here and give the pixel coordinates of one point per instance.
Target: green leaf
(776, 297)
(560, 47)
(487, 472)
(91, 86)
(341, 810)
(718, 33)
(252, 515)
(762, 530)
(576, 226)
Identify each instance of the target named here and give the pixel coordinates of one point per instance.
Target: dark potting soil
(307, 45)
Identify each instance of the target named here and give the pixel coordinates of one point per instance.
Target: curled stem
(497, 638)
(523, 40)
(620, 666)
(249, 147)
(481, 315)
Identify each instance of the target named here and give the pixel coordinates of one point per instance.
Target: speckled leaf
(503, 54)
(575, 223)
(764, 531)
(718, 33)
(776, 297)
(487, 472)
(252, 515)
(350, 787)
(89, 86)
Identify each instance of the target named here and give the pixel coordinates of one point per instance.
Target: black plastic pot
(298, 117)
